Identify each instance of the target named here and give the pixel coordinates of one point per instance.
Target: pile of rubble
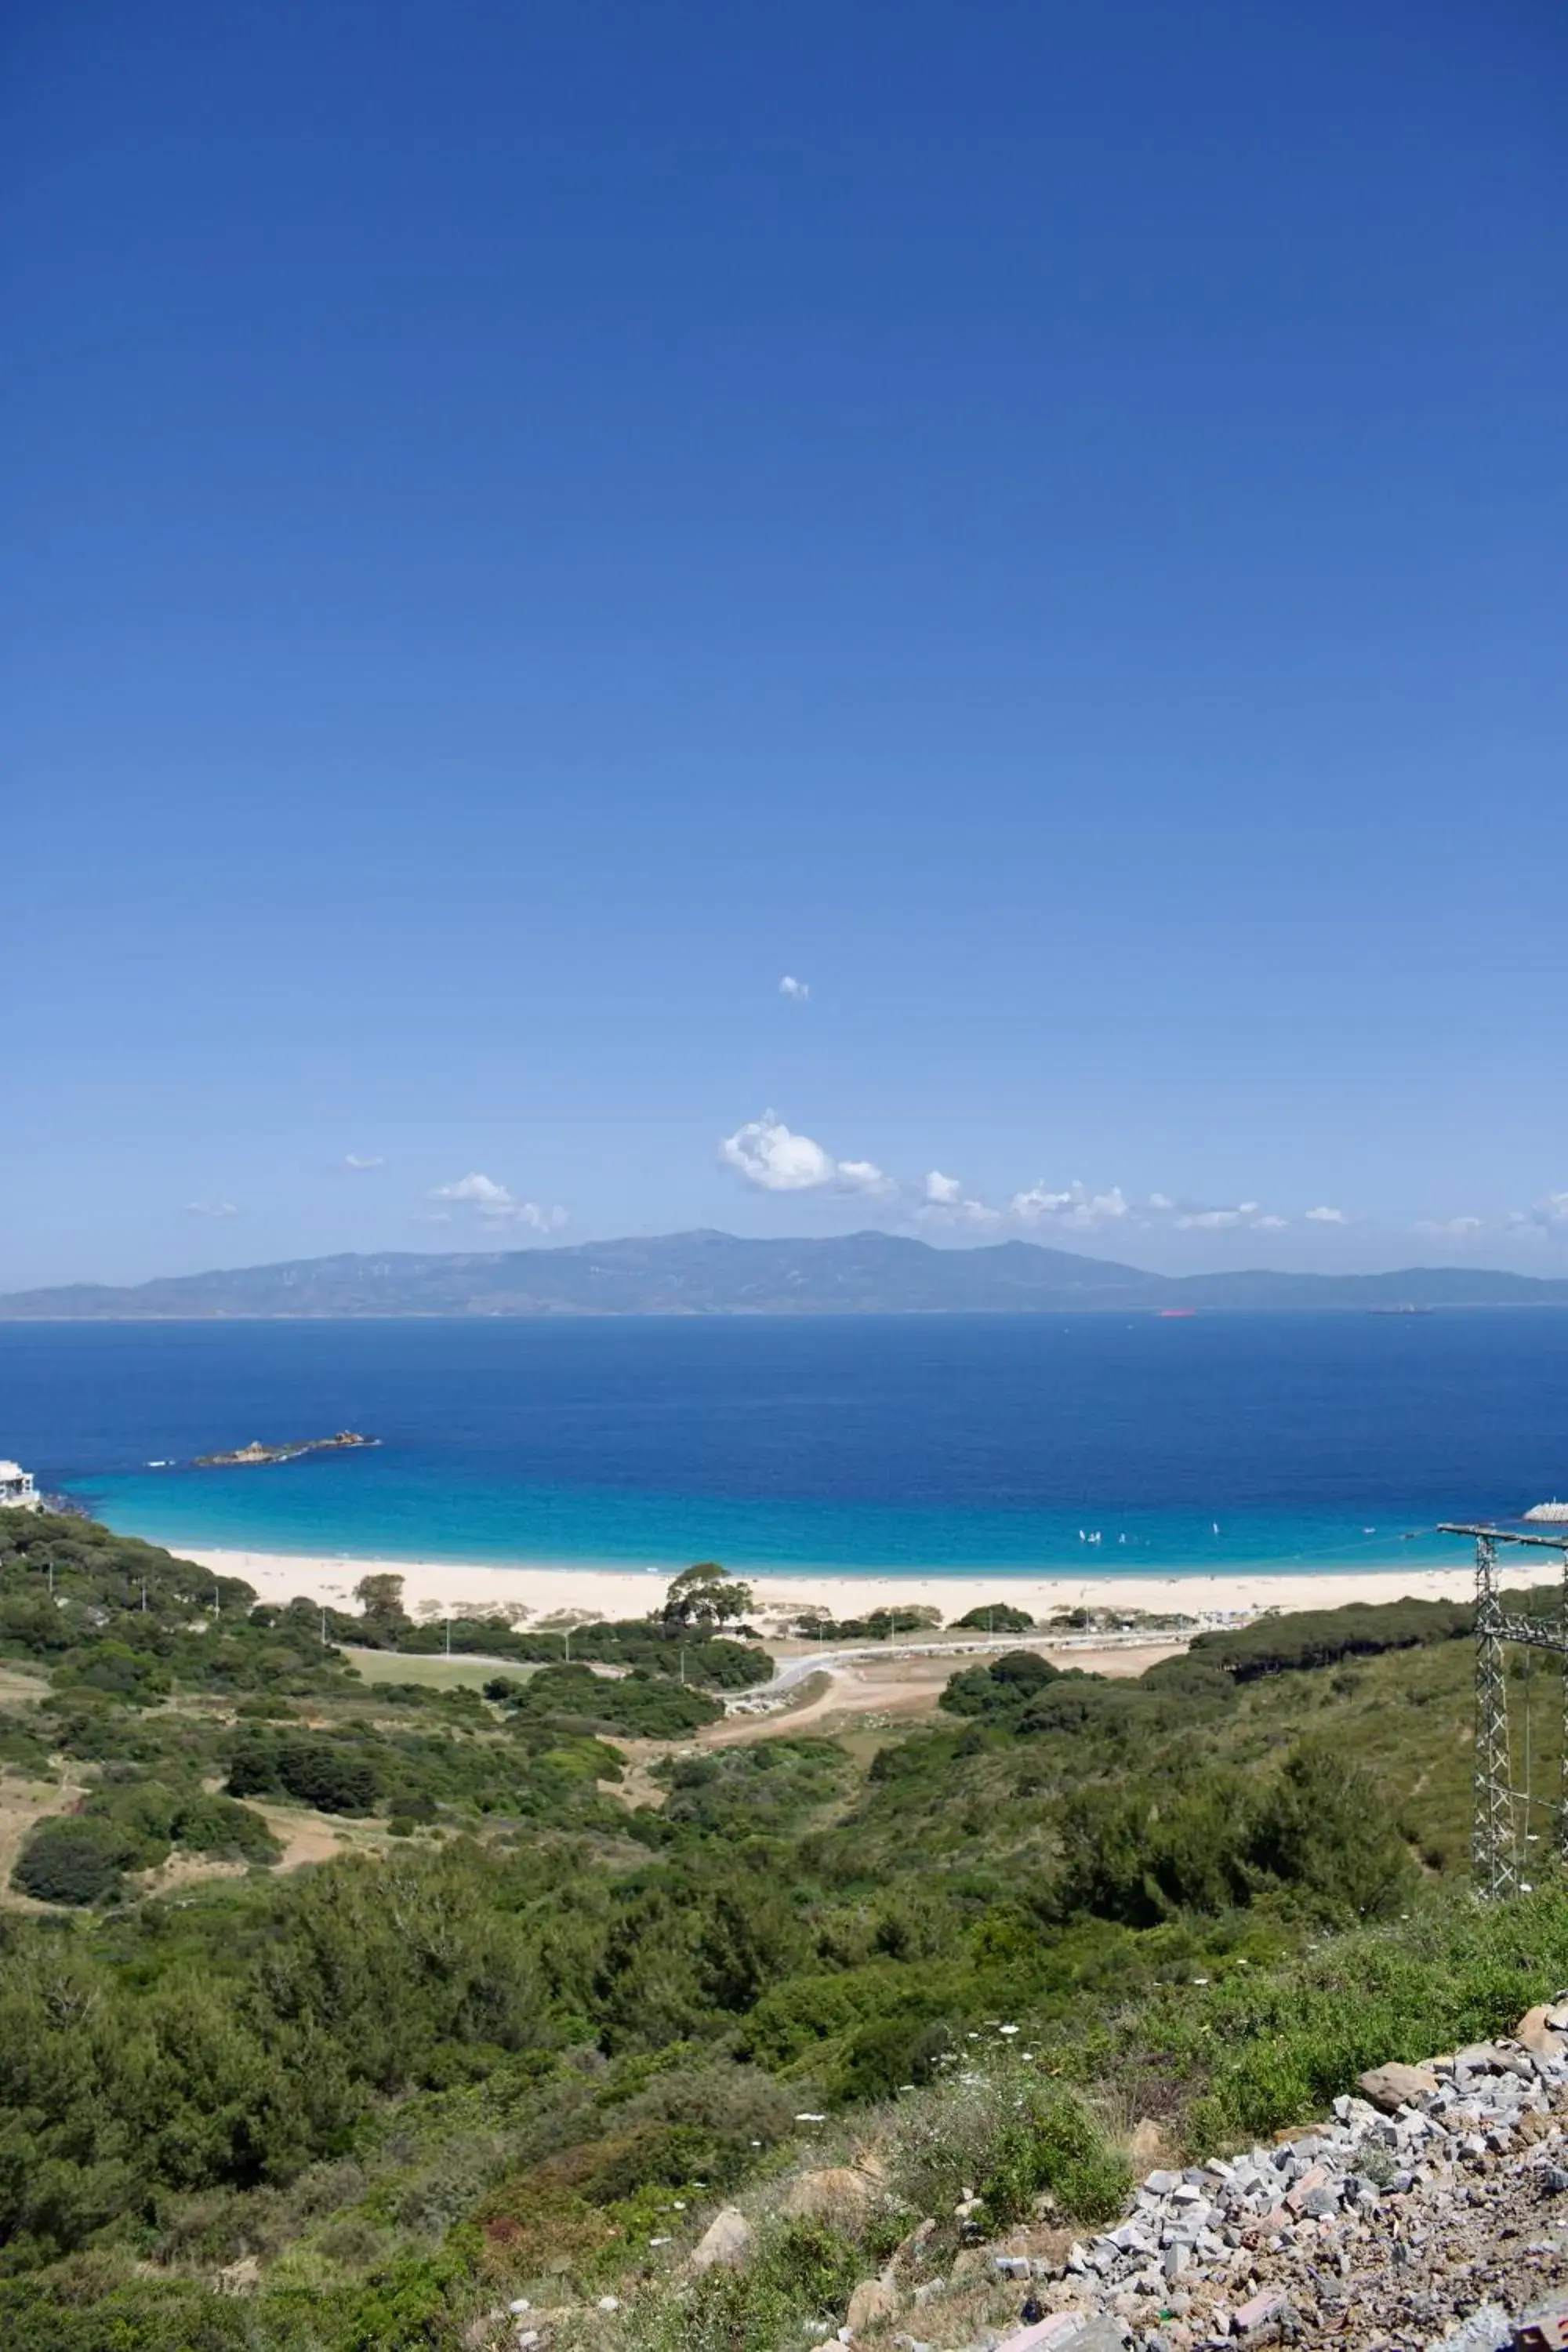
(1431, 2209)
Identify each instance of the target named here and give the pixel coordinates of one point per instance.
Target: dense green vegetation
(1318, 1637)
(680, 1642)
(576, 1698)
(995, 1617)
(558, 1990)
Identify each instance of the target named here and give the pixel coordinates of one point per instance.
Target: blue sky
(528, 525)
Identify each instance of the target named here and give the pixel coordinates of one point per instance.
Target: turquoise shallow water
(968, 1445)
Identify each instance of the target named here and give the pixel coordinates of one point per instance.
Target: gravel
(1437, 2218)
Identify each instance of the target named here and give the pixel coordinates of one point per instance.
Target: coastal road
(904, 1679)
(789, 1672)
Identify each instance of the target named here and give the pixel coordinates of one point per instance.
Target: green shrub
(1319, 1637)
(643, 1705)
(996, 1617)
(1051, 2143)
(1003, 2128)
(1324, 1828)
(75, 1860)
(118, 1672)
(335, 1775)
(1139, 1850)
(714, 1661)
(216, 1825)
(795, 2268)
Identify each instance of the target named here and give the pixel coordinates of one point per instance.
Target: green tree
(380, 1598)
(706, 1594)
(1326, 1830)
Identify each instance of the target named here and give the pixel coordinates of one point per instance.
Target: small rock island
(248, 1456)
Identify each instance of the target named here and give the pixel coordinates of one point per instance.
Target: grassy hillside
(384, 2003)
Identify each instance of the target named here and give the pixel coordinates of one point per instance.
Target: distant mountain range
(719, 1274)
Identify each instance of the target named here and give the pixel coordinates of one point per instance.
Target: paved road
(790, 1673)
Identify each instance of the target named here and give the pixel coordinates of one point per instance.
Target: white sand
(544, 1589)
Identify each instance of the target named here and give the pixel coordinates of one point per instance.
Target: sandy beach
(432, 1587)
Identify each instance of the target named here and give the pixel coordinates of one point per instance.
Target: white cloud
(478, 1191)
(357, 1163)
(1215, 1221)
(496, 1205)
(212, 1208)
(1449, 1228)
(944, 1202)
(1548, 1215)
(768, 1154)
(1076, 1209)
(797, 989)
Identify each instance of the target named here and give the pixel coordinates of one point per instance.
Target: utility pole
(1561, 1822)
(323, 1628)
(1492, 1855)
(1494, 1836)
(449, 1637)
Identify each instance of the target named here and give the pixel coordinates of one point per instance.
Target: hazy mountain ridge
(710, 1272)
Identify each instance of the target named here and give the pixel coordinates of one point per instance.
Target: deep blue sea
(962, 1444)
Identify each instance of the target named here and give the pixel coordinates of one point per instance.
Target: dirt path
(22, 1803)
(901, 1685)
(304, 1837)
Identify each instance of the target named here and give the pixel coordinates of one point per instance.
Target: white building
(17, 1492)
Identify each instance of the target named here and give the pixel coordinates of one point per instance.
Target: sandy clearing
(16, 1688)
(22, 1803)
(437, 1673)
(901, 1684)
(304, 1837)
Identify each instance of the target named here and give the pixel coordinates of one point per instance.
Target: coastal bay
(1068, 1454)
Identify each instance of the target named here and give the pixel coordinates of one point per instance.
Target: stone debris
(873, 2301)
(726, 2243)
(1394, 2087)
(1430, 2210)
(842, 2192)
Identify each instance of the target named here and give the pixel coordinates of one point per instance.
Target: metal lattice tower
(1493, 1849)
(1495, 1845)
(1562, 1821)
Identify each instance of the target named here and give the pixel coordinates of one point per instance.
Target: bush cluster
(1321, 1637)
(640, 1705)
(336, 1776)
(403, 2078)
